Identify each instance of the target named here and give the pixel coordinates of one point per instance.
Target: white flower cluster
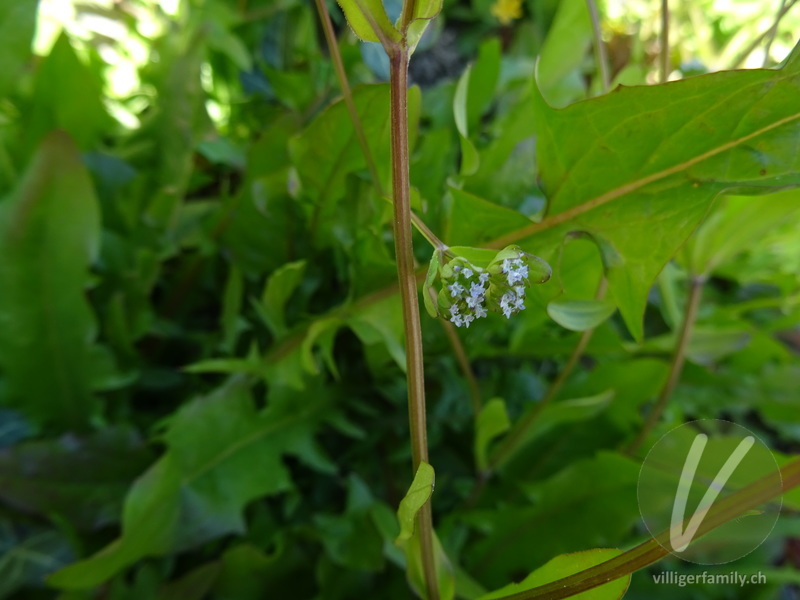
(516, 272)
(468, 295)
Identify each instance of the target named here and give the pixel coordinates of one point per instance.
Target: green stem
(513, 441)
(599, 48)
(341, 75)
(664, 74)
(654, 549)
(771, 34)
(760, 37)
(678, 358)
(398, 81)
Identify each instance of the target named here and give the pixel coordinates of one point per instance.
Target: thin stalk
(599, 48)
(341, 75)
(511, 443)
(676, 366)
(760, 37)
(771, 34)
(415, 377)
(664, 74)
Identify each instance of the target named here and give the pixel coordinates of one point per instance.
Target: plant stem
(678, 358)
(760, 37)
(664, 74)
(771, 34)
(398, 81)
(599, 48)
(511, 443)
(341, 75)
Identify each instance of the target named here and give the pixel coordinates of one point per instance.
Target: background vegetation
(201, 357)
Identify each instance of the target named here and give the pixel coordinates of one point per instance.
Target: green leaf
(327, 151)
(26, 560)
(475, 221)
(564, 411)
(735, 224)
(408, 539)
(382, 323)
(600, 510)
(568, 564)
(67, 95)
(625, 180)
(369, 21)
(280, 286)
(580, 315)
(560, 68)
(491, 422)
(81, 479)
(417, 495)
(483, 77)
(429, 294)
(199, 488)
(424, 11)
(49, 236)
(17, 26)
(470, 161)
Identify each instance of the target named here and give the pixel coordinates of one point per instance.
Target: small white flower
(456, 289)
(467, 273)
(454, 310)
(468, 319)
(476, 290)
(519, 290)
(506, 265)
(457, 320)
(480, 312)
(483, 278)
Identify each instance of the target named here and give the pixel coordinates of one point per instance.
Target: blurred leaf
(17, 26)
(470, 161)
(580, 315)
(491, 422)
(26, 559)
(198, 489)
(735, 223)
(82, 479)
(564, 51)
(49, 235)
(570, 517)
(280, 286)
(67, 95)
(568, 564)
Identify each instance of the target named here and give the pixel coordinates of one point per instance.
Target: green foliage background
(201, 357)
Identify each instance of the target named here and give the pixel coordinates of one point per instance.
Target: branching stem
(401, 188)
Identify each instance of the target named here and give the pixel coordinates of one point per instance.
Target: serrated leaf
(580, 315)
(49, 235)
(629, 166)
(199, 488)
